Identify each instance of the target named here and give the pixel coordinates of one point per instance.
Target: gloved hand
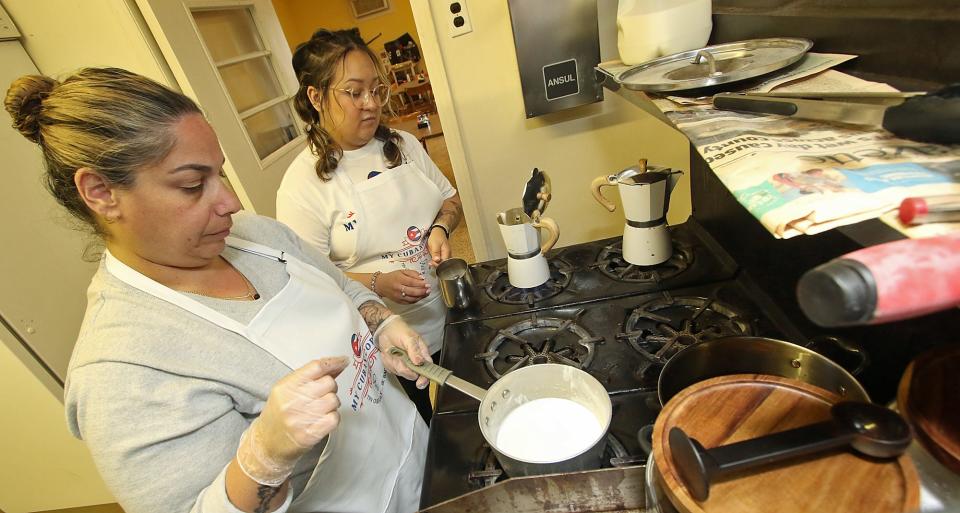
(394, 332)
(300, 411)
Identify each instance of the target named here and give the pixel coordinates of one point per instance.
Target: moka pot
(645, 194)
(526, 265)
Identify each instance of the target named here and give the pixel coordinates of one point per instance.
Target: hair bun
(24, 100)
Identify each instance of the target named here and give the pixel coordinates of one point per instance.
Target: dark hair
(315, 63)
(107, 119)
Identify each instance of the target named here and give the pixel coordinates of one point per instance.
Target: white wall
(493, 147)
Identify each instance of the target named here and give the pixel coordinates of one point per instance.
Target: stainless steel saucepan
(520, 387)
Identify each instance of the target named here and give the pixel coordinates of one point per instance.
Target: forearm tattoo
(373, 314)
(265, 494)
(451, 211)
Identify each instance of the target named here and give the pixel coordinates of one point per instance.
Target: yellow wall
(480, 101)
(300, 18)
(44, 467)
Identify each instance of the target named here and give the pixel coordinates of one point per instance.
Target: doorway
(392, 34)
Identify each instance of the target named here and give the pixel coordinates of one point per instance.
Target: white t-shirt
(323, 214)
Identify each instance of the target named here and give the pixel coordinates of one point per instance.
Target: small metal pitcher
(456, 284)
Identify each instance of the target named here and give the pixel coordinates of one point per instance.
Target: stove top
(459, 461)
(623, 342)
(596, 270)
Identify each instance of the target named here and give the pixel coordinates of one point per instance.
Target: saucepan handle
(439, 375)
(429, 370)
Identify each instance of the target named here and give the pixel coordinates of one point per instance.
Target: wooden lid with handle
(729, 409)
(927, 398)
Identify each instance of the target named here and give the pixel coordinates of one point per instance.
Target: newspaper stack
(804, 177)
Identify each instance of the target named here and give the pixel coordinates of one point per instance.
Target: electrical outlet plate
(466, 27)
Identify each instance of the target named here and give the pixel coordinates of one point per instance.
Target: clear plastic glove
(394, 332)
(404, 286)
(300, 412)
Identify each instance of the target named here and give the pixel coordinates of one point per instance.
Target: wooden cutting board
(927, 398)
(728, 409)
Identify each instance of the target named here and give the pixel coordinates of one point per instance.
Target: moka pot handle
(551, 226)
(603, 181)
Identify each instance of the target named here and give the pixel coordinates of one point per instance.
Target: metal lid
(713, 65)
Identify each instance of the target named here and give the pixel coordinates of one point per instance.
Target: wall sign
(560, 79)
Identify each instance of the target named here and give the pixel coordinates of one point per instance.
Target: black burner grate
(660, 327)
(539, 340)
(497, 284)
(610, 262)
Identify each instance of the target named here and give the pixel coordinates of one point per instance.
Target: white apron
(398, 206)
(374, 460)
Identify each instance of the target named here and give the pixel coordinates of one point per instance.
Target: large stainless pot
(755, 355)
(521, 386)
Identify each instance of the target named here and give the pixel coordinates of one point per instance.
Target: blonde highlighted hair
(106, 119)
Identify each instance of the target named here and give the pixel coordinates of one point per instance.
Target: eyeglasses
(360, 97)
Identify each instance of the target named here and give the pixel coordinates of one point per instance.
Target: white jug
(647, 29)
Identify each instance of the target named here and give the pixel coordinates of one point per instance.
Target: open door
(231, 57)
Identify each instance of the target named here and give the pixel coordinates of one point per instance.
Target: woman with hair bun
(368, 196)
(223, 365)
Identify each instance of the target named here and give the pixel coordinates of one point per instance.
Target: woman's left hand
(438, 246)
(397, 333)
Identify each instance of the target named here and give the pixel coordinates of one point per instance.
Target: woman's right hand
(404, 286)
(300, 411)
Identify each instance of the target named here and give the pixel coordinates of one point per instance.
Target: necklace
(250, 295)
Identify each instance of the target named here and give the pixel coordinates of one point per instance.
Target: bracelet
(373, 282)
(446, 232)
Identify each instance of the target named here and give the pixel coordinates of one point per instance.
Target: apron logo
(367, 385)
(351, 223)
(414, 234)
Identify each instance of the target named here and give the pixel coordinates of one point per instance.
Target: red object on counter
(911, 209)
(932, 209)
(884, 283)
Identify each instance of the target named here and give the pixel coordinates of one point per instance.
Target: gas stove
(623, 342)
(596, 270)
(619, 322)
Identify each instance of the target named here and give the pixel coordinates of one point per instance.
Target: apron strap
(141, 282)
(256, 249)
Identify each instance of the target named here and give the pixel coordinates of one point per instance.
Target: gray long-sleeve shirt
(161, 396)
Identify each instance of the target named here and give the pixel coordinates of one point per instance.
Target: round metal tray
(714, 65)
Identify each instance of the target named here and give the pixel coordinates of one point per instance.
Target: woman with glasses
(368, 196)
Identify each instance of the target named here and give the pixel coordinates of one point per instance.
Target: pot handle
(552, 228)
(853, 352)
(439, 375)
(645, 439)
(603, 181)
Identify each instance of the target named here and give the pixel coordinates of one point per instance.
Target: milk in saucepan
(548, 430)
